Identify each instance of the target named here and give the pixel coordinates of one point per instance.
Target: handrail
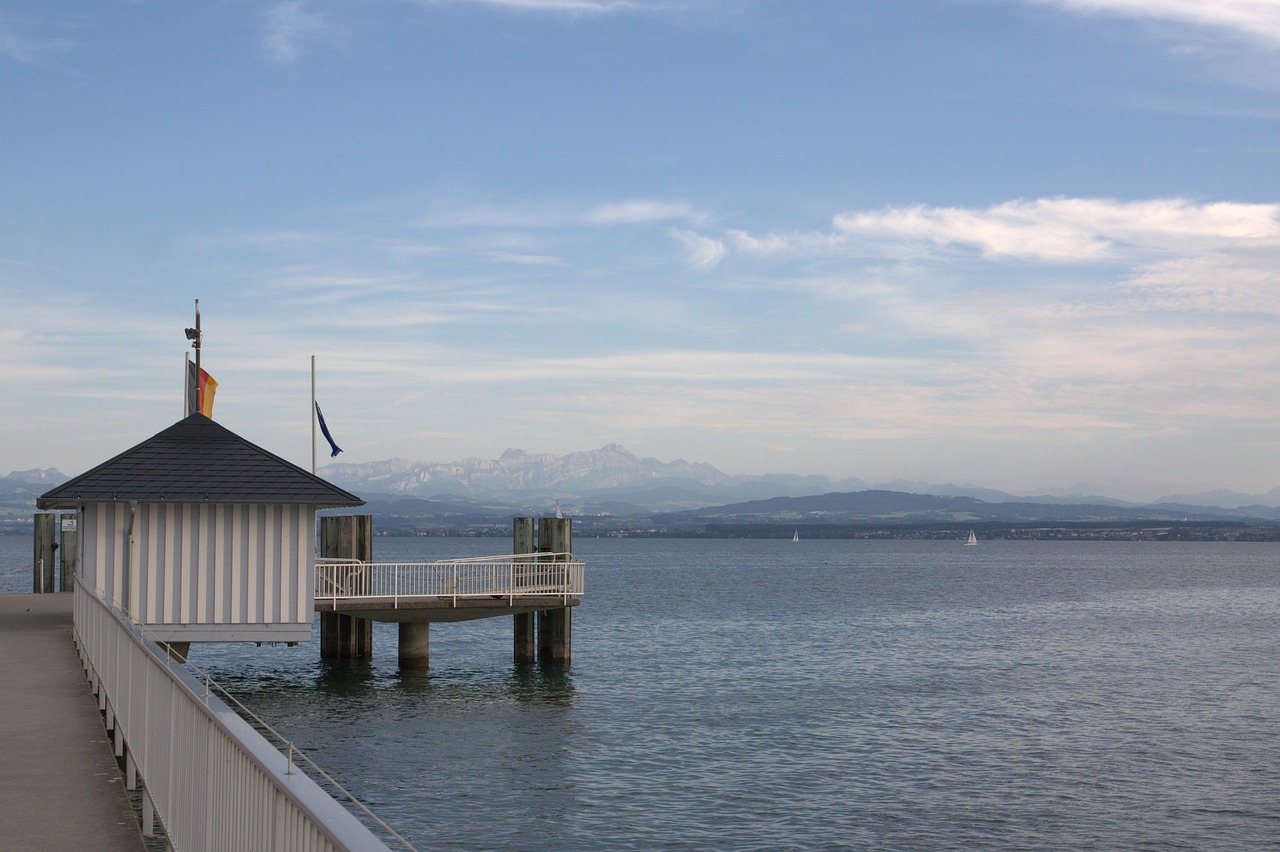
(213, 779)
(507, 576)
(295, 753)
(545, 556)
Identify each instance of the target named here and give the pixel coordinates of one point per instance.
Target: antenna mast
(194, 335)
(192, 393)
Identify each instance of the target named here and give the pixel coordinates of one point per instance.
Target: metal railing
(508, 576)
(213, 781)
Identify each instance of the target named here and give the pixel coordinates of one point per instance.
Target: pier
(197, 535)
(68, 791)
(537, 586)
(61, 787)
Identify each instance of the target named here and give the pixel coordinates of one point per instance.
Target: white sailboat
(973, 539)
(795, 536)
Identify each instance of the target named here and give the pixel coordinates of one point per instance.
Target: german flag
(201, 388)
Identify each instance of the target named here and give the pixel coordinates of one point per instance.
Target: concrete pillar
(346, 637)
(69, 552)
(46, 546)
(415, 644)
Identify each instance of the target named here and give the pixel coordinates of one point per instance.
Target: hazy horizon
(1081, 489)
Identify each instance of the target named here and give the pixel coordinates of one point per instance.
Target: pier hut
(201, 536)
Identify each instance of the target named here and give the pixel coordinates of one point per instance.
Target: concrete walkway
(60, 786)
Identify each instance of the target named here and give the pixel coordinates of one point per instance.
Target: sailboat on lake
(795, 536)
(972, 540)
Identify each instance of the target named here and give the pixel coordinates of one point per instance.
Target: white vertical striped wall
(203, 564)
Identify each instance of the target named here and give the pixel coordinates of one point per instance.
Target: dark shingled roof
(197, 461)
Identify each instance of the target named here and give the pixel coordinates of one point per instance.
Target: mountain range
(614, 475)
(611, 489)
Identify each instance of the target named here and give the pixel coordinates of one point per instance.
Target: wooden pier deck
(442, 609)
(60, 785)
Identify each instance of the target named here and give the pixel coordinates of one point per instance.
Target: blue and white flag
(325, 429)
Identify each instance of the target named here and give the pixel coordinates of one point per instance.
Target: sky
(1019, 244)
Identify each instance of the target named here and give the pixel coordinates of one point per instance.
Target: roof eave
(58, 503)
(72, 502)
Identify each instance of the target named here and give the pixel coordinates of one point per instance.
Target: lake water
(825, 694)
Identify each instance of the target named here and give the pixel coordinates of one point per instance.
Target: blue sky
(1022, 244)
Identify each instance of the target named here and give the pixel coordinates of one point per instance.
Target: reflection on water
(359, 681)
(355, 691)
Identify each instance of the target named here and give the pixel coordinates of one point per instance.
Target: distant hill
(893, 507)
(832, 515)
(18, 493)
(46, 477)
(1225, 499)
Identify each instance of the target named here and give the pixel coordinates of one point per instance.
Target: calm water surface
(825, 694)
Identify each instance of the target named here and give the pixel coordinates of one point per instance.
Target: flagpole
(313, 415)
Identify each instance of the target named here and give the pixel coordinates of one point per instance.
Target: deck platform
(60, 787)
(441, 609)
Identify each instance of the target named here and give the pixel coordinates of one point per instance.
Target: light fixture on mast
(195, 336)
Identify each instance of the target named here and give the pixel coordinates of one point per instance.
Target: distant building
(201, 536)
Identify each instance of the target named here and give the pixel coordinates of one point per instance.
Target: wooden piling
(555, 626)
(526, 649)
(555, 635)
(69, 553)
(346, 637)
(46, 546)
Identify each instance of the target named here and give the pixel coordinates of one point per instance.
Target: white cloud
(525, 259)
(324, 286)
(704, 252)
(1067, 315)
(592, 6)
(492, 215)
(32, 51)
(638, 211)
(290, 26)
(1256, 19)
(1072, 229)
(767, 245)
(1243, 283)
(551, 214)
(264, 240)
